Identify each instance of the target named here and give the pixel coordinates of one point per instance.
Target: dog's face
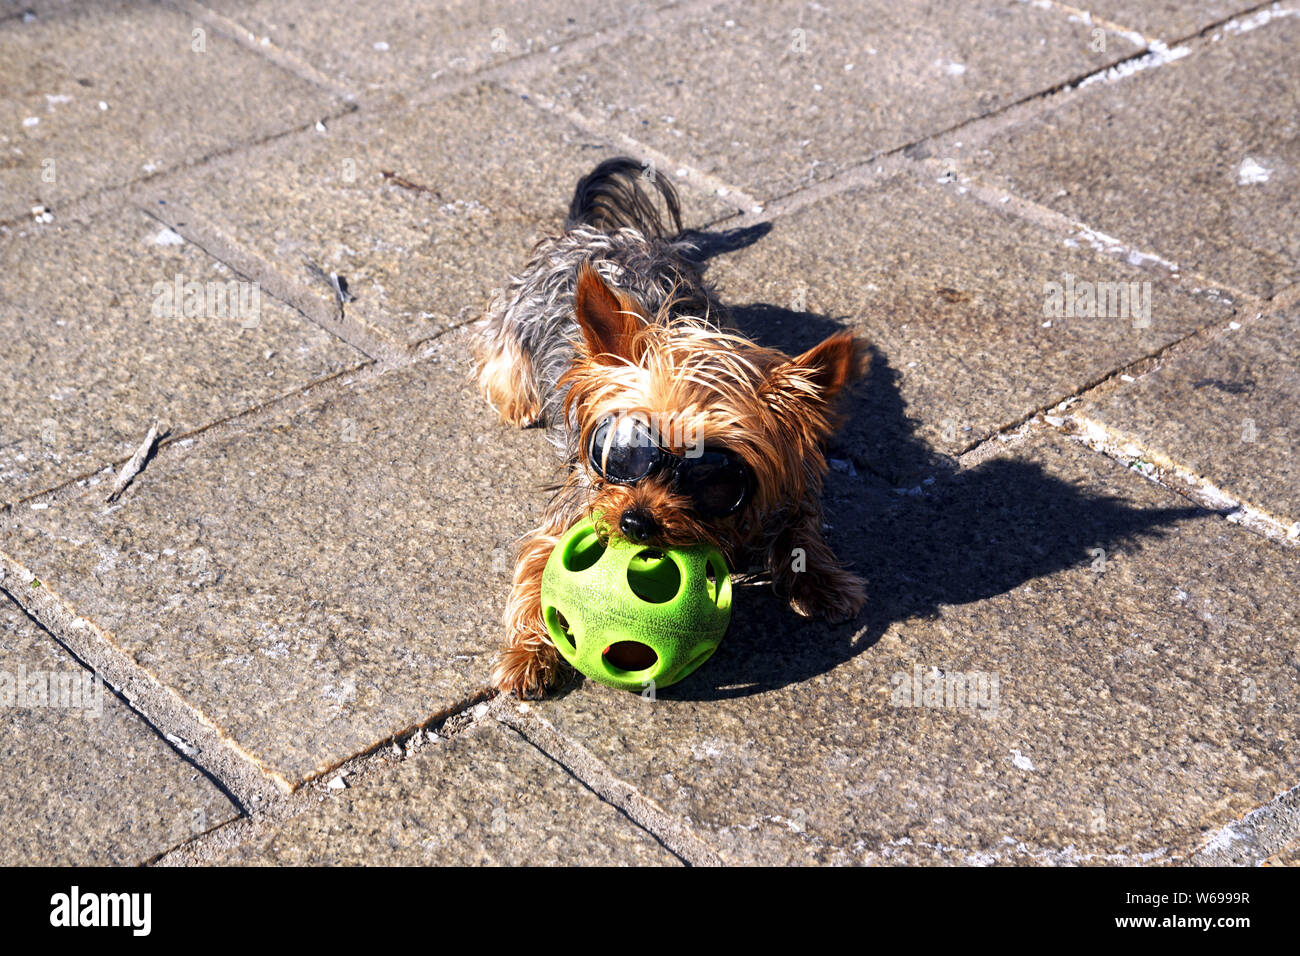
(689, 434)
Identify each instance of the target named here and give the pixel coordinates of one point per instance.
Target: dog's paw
(522, 413)
(834, 595)
(505, 379)
(526, 670)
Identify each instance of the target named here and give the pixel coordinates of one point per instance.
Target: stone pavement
(1070, 479)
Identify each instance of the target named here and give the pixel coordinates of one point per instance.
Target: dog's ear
(822, 371)
(609, 320)
(834, 363)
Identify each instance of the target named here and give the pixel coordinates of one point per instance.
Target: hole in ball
(719, 583)
(558, 625)
(582, 552)
(630, 656)
(653, 576)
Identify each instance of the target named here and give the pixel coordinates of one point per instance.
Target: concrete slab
(423, 212)
(1261, 836)
(482, 798)
(316, 573)
(99, 344)
(1102, 698)
(100, 94)
(959, 305)
(1167, 20)
(1132, 158)
(404, 45)
(1225, 413)
(86, 782)
(318, 579)
(774, 97)
(1288, 857)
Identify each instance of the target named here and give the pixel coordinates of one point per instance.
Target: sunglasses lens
(622, 450)
(718, 482)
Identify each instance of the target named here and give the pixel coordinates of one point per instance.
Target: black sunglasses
(624, 451)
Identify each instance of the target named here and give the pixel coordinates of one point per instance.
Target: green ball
(628, 614)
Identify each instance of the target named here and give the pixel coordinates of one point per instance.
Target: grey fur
(536, 310)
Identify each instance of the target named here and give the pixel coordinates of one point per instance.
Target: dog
(675, 428)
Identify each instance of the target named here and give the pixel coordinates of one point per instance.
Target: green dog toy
(627, 614)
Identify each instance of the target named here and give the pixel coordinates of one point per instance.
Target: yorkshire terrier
(676, 429)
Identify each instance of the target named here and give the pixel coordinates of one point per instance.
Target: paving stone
(404, 45)
(729, 93)
(1227, 413)
(1256, 838)
(98, 345)
(956, 305)
(1145, 692)
(317, 580)
(480, 177)
(1288, 857)
(85, 781)
(483, 797)
(1179, 160)
(99, 94)
(1168, 20)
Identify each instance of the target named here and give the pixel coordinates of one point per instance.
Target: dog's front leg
(805, 570)
(529, 664)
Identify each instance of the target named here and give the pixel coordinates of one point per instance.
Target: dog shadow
(968, 535)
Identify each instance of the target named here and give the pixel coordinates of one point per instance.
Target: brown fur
(773, 410)
(505, 378)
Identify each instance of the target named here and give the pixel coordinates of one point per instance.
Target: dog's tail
(614, 196)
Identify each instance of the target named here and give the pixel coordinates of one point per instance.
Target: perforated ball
(628, 614)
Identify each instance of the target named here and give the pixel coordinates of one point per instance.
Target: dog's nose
(637, 525)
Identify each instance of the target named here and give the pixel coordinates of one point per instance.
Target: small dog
(675, 429)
